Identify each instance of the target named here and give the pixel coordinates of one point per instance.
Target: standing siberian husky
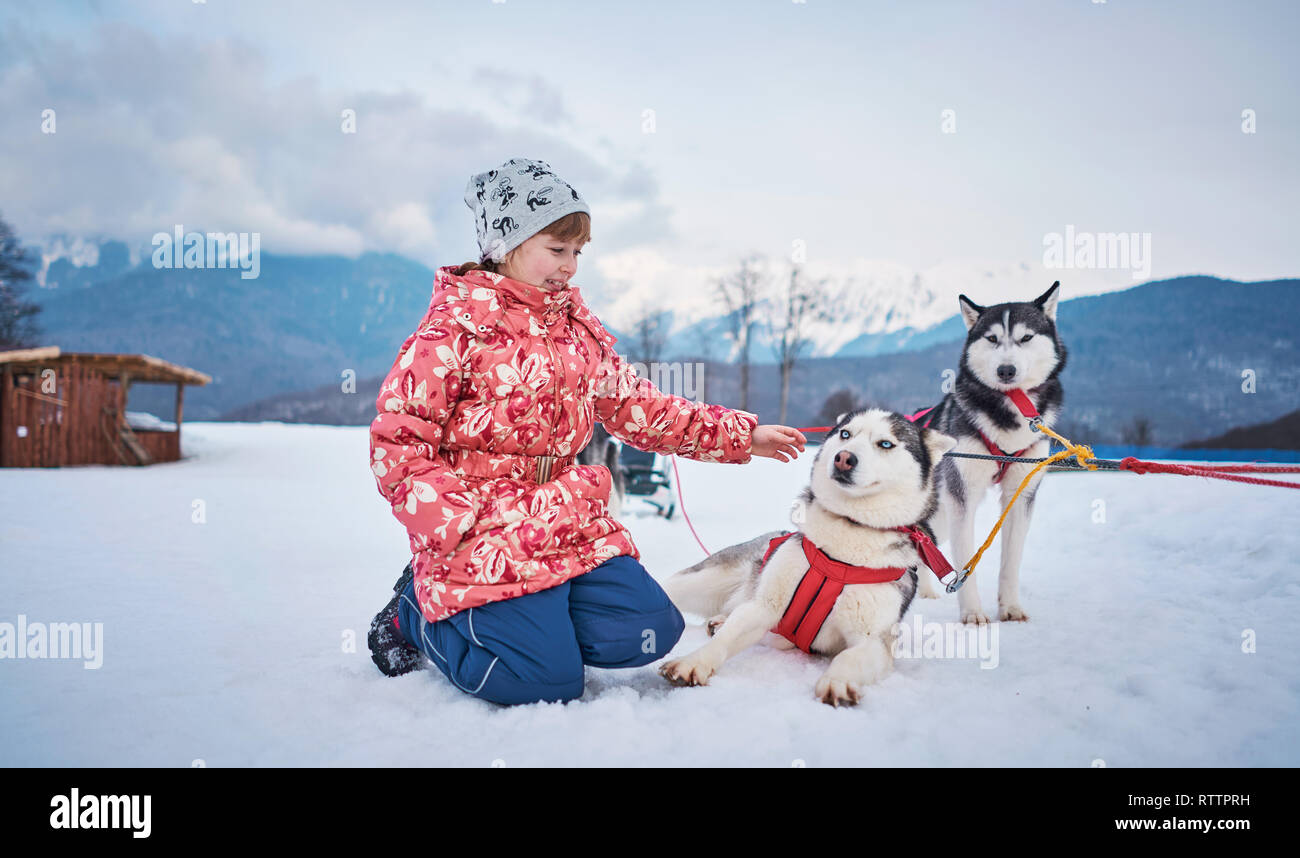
(874, 472)
(1011, 346)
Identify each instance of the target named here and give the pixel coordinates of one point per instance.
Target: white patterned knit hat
(516, 201)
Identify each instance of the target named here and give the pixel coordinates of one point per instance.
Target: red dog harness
(825, 579)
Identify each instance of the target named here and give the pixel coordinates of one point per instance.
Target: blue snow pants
(533, 647)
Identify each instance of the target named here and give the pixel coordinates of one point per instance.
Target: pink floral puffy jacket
(498, 373)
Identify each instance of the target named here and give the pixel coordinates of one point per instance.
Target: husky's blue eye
(886, 445)
(844, 433)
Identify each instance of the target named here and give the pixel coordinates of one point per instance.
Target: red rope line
(1138, 466)
(1224, 472)
(1260, 469)
(682, 502)
(1131, 464)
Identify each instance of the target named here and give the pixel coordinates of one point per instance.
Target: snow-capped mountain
(75, 261)
(871, 306)
(311, 323)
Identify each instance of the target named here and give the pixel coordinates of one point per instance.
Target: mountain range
(1179, 352)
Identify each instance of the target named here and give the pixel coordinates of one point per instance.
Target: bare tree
(703, 340)
(1080, 431)
(650, 329)
(1138, 433)
(803, 302)
(740, 292)
(840, 402)
(18, 327)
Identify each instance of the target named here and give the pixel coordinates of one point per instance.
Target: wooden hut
(70, 409)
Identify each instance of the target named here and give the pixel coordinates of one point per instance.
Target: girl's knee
(511, 652)
(558, 684)
(631, 641)
(511, 678)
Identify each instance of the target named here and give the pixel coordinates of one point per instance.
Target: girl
(519, 577)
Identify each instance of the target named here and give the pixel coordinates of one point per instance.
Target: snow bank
(235, 588)
(145, 420)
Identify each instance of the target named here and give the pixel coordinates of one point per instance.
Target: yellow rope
(1079, 451)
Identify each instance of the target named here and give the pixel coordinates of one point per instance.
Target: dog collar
(1023, 405)
(1019, 398)
(1021, 401)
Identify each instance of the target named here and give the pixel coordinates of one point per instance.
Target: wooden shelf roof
(139, 367)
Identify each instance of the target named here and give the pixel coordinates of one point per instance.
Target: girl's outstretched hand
(783, 443)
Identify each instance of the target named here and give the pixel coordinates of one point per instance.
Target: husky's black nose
(1006, 372)
(844, 460)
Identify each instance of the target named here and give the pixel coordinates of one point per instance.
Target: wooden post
(42, 409)
(22, 447)
(124, 388)
(180, 402)
(6, 416)
(44, 412)
(73, 416)
(65, 412)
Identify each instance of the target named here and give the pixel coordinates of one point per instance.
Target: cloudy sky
(698, 131)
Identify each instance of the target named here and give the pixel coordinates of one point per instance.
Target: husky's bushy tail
(721, 580)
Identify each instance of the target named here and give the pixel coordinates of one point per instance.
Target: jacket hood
(533, 297)
(490, 293)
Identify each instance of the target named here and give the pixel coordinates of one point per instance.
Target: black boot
(389, 649)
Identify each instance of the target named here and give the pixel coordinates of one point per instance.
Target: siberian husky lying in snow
(873, 476)
(1010, 348)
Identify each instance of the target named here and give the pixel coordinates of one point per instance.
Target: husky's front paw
(1012, 612)
(687, 671)
(836, 692)
(975, 616)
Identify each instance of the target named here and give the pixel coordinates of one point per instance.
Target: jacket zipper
(558, 368)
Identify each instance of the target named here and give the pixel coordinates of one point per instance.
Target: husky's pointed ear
(970, 311)
(840, 418)
(937, 443)
(1047, 301)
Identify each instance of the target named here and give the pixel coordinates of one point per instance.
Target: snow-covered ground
(227, 641)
